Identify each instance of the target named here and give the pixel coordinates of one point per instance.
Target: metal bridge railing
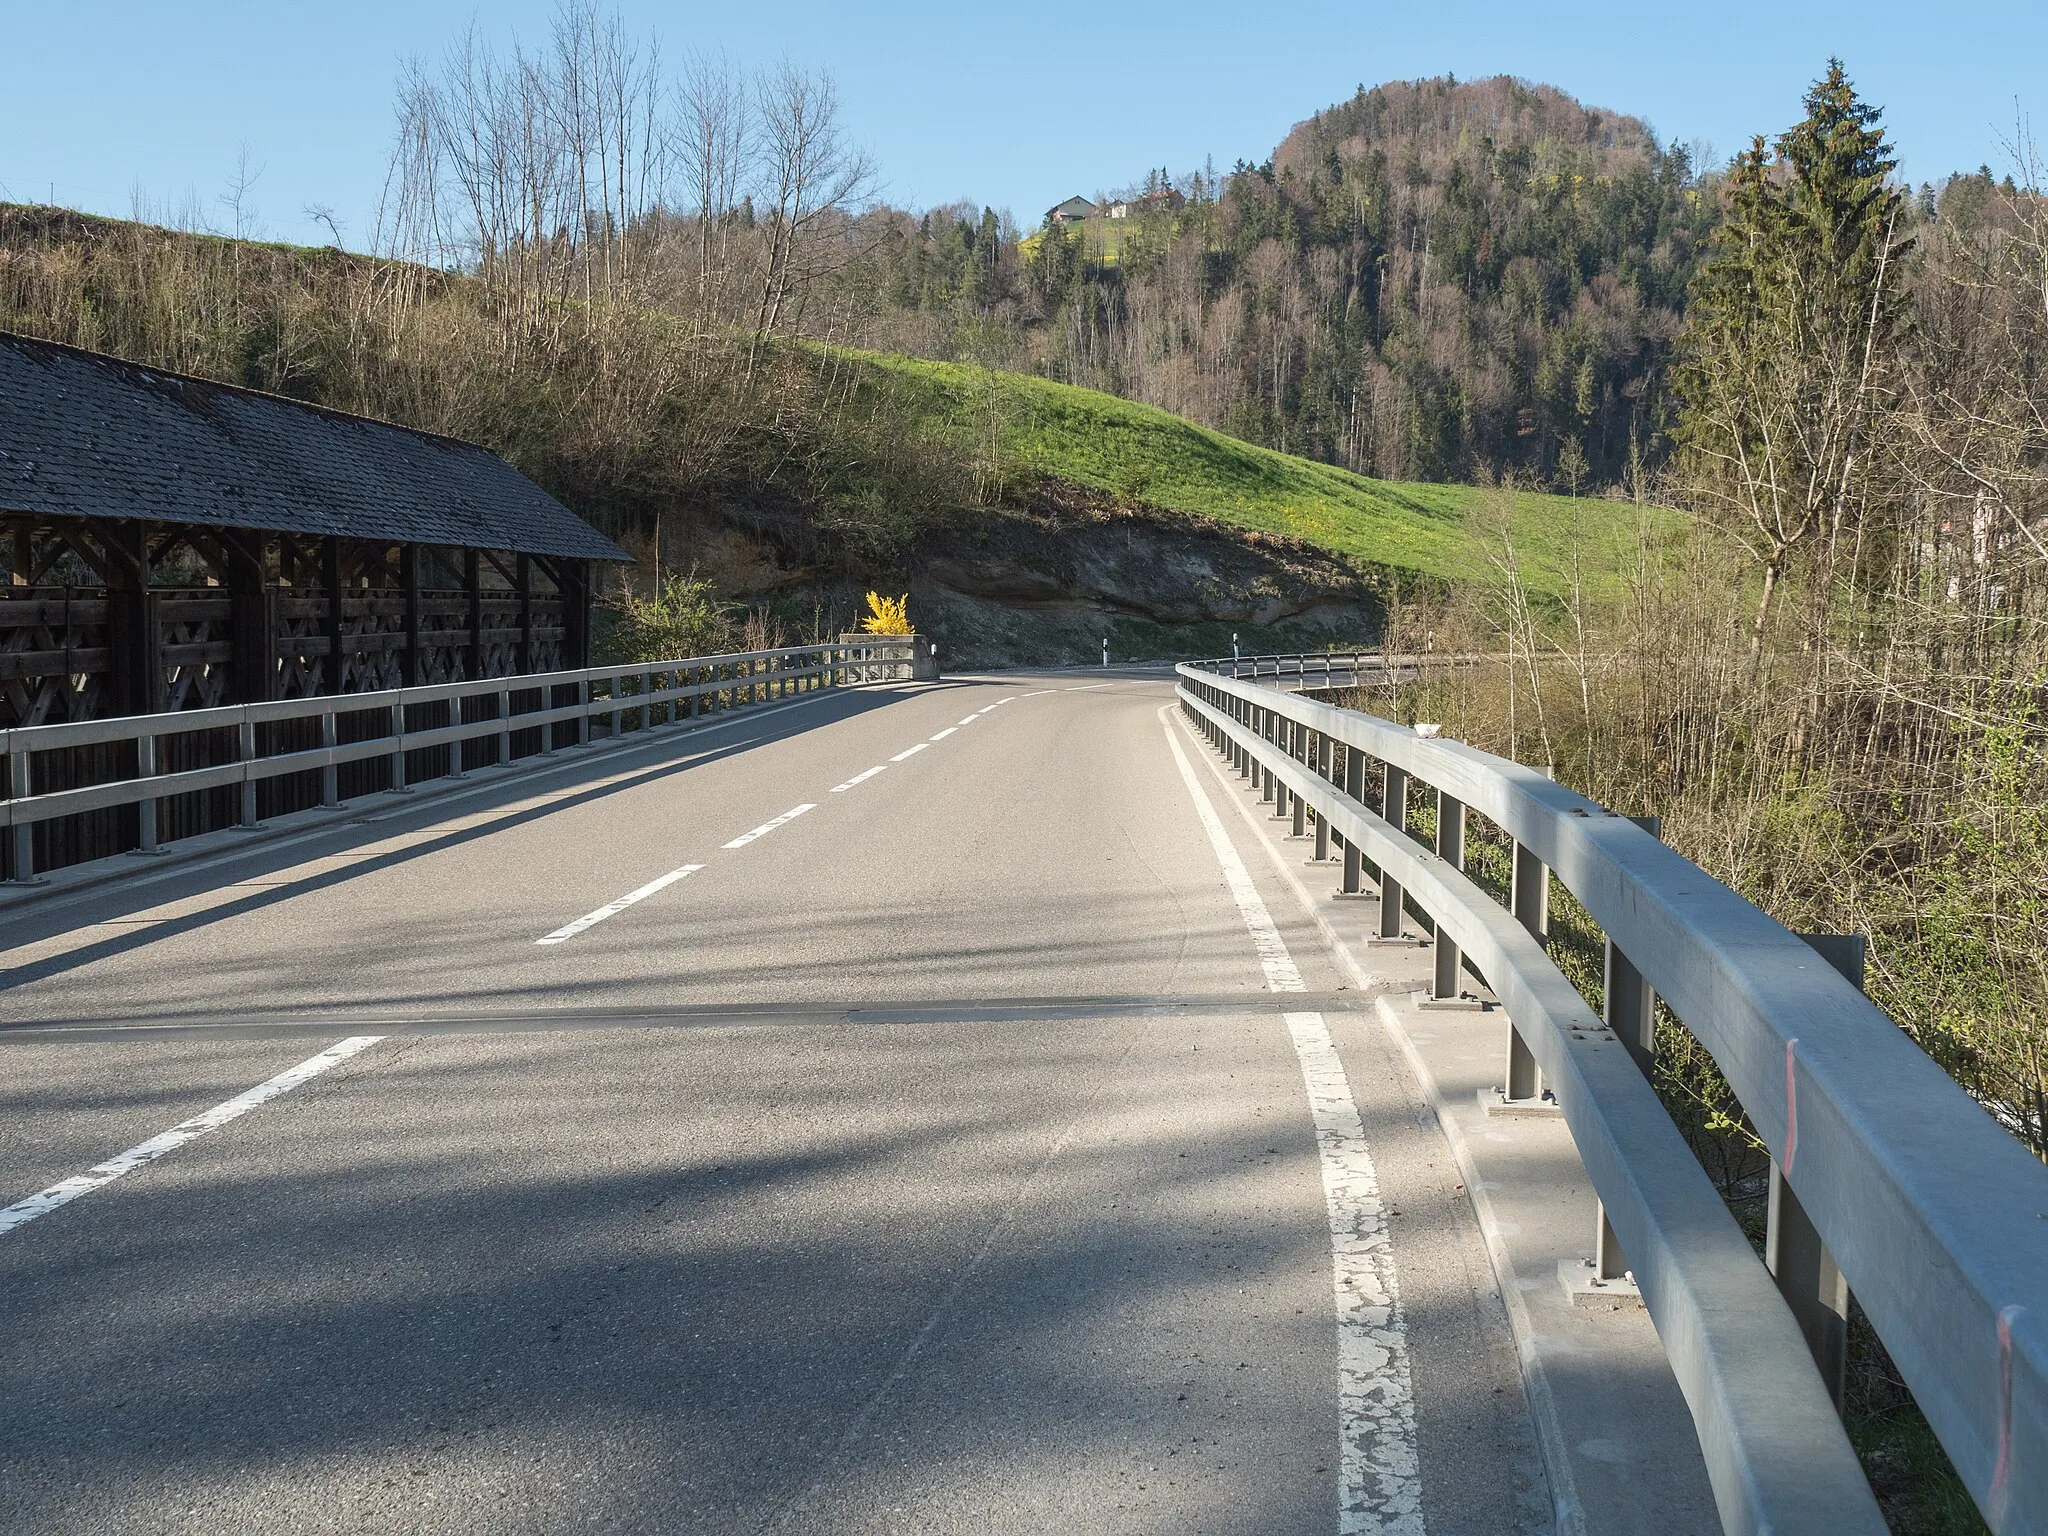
(1888, 1180)
(515, 718)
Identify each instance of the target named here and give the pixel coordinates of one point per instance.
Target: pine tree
(1791, 337)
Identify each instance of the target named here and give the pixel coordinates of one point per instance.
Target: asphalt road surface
(979, 1144)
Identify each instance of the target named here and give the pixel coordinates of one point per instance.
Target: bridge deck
(776, 1200)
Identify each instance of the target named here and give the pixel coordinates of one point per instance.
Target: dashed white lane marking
(1034, 694)
(1088, 688)
(859, 778)
(613, 908)
(769, 826)
(912, 752)
(949, 730)
(1379, 1489)
(24, 1211)
(971, 718)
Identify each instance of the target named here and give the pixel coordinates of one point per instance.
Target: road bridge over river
(918, 1107)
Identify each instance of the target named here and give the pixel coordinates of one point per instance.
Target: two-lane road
(914, 1110)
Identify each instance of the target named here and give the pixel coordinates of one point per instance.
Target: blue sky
(1017, 106)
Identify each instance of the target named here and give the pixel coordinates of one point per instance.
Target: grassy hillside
(1151, 455)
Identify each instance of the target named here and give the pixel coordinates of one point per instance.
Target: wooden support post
(523, 580)
(573, 577)
(410, 670)
(135, 637)
(473, 584)
(330, 582)
(252, 628)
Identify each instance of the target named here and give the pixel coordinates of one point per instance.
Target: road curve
(916, 1110)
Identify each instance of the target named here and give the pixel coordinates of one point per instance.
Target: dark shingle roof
(85, 435)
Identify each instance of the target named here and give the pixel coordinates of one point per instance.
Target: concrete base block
(1582, 1288)
(1462, 1003)
(1497, 1103)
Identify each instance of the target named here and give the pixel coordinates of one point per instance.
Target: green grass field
(1150, 455)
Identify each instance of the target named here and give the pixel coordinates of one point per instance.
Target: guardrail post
(1262, 723)
(145, 810)
(1529, 896)
(1394, 812)
(455, 721)
(1354, 786)
(1631, 1007)
(1808, 1277)
(1298, 749)
(19, 787)
(330, 775)
(246, 755)
(504, 727)
(1322, 749)
(398, 751)
(1283, 739)
(1447, 985)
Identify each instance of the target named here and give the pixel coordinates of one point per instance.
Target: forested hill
(1434, 280)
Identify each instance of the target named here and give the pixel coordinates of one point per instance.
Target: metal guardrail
(678, 692)
(1886, 1175)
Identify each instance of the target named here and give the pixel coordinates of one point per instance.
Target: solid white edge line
(1531, 1347)
(1379, 1483)
(25, 1211)
(912, 752)
(614, 908)
(769, 826)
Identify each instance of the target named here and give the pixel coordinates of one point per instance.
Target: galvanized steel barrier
(1888, 1180)
(610, 702)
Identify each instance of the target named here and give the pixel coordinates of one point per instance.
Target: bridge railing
(87, 788)
(1888, 1181)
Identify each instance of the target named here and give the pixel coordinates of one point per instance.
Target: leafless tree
(813, 176)
(714, 142)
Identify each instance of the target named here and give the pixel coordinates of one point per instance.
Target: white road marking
(1034, 694)
(613, 908)
(949, 730)
(859, 778)
(1089, 688)
(23, 1212)
(911, 753)
(973, 717)
(1379, 1487)
(769, 826)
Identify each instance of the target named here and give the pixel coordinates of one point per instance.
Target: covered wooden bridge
(176, 544)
